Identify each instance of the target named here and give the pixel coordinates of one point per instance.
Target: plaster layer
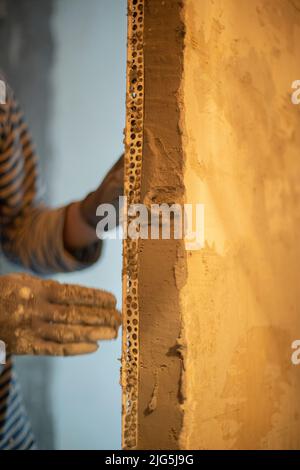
(241, 302)
(161, 263)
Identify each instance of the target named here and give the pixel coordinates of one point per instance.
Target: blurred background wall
(66, 60)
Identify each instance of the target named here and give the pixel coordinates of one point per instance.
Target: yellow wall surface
(241, 302)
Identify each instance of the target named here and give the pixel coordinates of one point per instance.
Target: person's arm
(42, 239)
(82, 214)
(39, 316)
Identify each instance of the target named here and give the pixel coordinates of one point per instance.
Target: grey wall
(66, 60)
(26, 57)
(87, 120)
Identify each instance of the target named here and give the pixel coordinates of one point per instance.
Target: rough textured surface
(217, 325)
(241, 301)
(159, 409)
(132, 190)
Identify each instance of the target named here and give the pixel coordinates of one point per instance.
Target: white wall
(88, 116)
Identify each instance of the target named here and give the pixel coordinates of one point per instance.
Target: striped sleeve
(15, 429)
(31, 233)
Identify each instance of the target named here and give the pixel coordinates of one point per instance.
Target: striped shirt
(31, 234)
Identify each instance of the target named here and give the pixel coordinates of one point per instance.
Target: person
(40, 316)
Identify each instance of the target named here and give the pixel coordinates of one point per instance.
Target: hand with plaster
(40, 316)
(45, 317)
(109, 191)
(81, 219)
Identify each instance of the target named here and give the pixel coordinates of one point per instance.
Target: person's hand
(48, 318)
(107, 193)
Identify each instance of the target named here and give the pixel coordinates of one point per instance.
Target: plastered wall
(154, 269)
(216, 325)
(241, 301)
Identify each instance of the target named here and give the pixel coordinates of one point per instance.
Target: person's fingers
(61, 333)
(72, 294)
(29, 343)
(114, 179)
(81, 315)
(119, 169)
(116, 173)
(119, 165)
(51, 348)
